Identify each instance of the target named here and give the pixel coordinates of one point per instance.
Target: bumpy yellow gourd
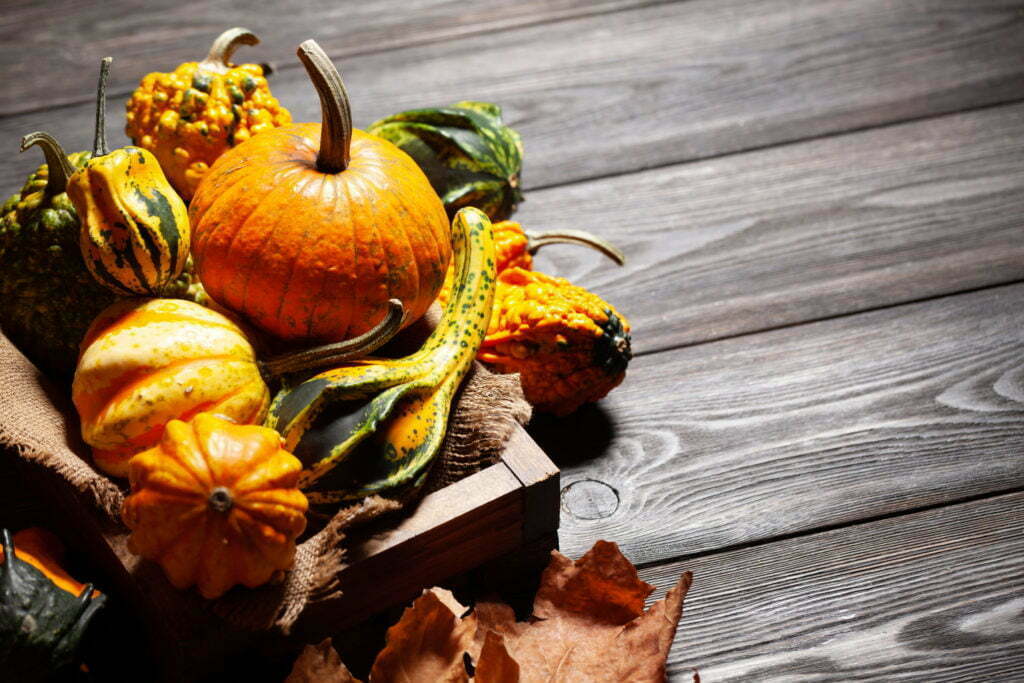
(191, 116)
(568, 345)
(135, 232)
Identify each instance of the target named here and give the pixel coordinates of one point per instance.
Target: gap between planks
(804, 533)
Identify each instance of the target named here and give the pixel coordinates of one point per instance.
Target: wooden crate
(508, 506)
(503, 508)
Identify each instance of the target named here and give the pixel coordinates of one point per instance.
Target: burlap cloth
(38, 424)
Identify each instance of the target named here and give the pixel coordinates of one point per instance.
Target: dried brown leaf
(320, 664)
(589, 623)
(495, 663)
(428, 642)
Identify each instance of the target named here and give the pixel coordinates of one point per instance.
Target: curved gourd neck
(336, 128)
(59, 168)
(218, 60)
(472, 261)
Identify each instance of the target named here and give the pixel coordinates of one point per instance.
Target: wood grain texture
(800, 232)
(769, 434)
(619, 92)
(54, 41)
(934, 596)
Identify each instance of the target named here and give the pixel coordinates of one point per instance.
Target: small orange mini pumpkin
(216, 505)
(308, 230)
(147, 361)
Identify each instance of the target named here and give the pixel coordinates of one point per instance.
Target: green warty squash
(41, 624)
(47, 296)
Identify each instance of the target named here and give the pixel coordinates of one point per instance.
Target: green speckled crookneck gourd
(373, 426)
(47, 296)
(135, 231)
(470, 156)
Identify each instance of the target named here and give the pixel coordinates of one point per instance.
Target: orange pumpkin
(308, 230)
(147, 361)
(216, 504)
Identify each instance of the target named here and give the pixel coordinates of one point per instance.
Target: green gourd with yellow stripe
(135, 231)
(374, 426)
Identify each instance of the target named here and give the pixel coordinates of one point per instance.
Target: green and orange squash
(135, 234)
(48, 298)
(374, 426)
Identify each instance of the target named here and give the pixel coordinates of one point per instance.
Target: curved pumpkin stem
(336, 130)
(536, 240)
(99, 141)
(59, 169)
(219, 57)
(332, 354)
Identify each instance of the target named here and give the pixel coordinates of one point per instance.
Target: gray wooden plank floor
(822, 204)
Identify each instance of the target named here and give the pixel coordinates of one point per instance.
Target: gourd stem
(336, 129)
(219, 57)
(536, 240)
(220, 499)
(340, 352)
(59, 168)
(99, 142)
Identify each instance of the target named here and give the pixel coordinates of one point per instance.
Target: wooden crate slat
(452, 530)
(540, 480)
(769, 434)
(800, 232)
(610, 94)
(933, 596)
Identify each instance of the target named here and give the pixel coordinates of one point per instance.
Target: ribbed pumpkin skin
(135, 232)
(174, 514)
(145, 362)
(314, 256)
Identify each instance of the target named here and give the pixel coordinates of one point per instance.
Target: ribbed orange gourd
(147, 361)
(216, 505)
(308, 230)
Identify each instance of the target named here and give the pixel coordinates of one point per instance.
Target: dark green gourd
(470, 156)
